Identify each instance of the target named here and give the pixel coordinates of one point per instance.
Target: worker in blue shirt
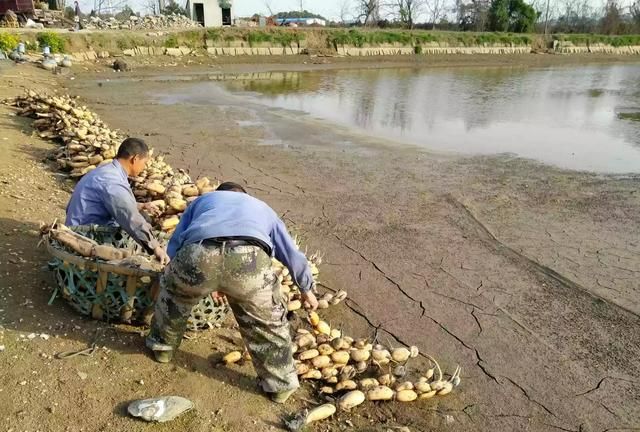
(224, 242)
(104, 197)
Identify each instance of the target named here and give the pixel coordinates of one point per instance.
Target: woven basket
(117, 293)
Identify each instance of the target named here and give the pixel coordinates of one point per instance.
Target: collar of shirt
(116, 163)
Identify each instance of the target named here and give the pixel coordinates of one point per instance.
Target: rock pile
(148, 22)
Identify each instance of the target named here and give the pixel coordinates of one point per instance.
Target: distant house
(301, 22)
(211, 13)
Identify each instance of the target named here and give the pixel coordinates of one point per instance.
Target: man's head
(133, 155)
(231, 186)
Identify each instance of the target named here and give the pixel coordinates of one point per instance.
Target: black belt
(231, 242)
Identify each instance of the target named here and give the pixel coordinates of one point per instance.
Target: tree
(512, 15)
(522, 17)
(576, 16)
(473, 15)
(174, 8)
(344, 10)
(634, 10)
(369, 11)
(125, 13)
(408, 11)
(151, 6)
(499, 15)
(436, 10)
(611, 20)
(298, 14)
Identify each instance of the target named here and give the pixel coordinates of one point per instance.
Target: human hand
(151, 209)
(309, 300)
(161, 255)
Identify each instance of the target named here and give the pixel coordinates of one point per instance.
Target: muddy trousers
(244, 274)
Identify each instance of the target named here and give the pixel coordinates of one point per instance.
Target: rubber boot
(282, 397)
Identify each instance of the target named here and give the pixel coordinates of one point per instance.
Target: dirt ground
(523, 274)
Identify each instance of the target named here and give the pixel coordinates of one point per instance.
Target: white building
(211, 13)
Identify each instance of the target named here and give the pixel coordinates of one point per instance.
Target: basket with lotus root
(101, 272)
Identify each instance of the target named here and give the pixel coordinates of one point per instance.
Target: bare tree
(369, 11)
(151, 6)
(576, 16)
(408, 11)
(634, 10)
(472, 14)
(345, 7)
(436, 9)
(612, 18)
(301, 5)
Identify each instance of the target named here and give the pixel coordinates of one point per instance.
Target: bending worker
(224, 242)
(104, 197)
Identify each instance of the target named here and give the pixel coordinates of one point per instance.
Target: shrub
(213, 34)
(171, 42)
(8, 41)
(54, 41)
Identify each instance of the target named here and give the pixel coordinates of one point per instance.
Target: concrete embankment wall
(348, 51)
(89, 46)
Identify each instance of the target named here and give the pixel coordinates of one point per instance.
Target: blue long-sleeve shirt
(235, 214)
(104, 197)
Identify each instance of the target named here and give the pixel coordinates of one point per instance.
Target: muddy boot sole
(282, 397)
(163, 356)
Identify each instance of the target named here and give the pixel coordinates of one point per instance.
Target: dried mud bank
(524, 274)
(509, 265)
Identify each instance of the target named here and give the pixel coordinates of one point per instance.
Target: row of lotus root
(324, 355)
(88, 143)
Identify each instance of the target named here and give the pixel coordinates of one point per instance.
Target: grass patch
(276, 37)
(129, 41)
(192, 38)
(213, 34)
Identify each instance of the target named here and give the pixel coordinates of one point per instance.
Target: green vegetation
(8, 41)
(635, 116)
(174, 8)
(512, 15)
(360, 38)
(587, 39)
(171, 42)
(129, 41)
(283, 38)
(313, 39)
(298, 14)
(54, 41)
(213, 34)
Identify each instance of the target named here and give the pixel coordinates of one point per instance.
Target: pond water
(581, 118)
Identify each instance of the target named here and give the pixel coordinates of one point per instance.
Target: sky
(327, 8)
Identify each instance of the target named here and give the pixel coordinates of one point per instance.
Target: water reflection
(563, 116)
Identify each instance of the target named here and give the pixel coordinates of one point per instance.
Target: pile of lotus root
(350, 372)
(87, 143)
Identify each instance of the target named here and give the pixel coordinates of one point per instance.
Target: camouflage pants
(244, 274)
